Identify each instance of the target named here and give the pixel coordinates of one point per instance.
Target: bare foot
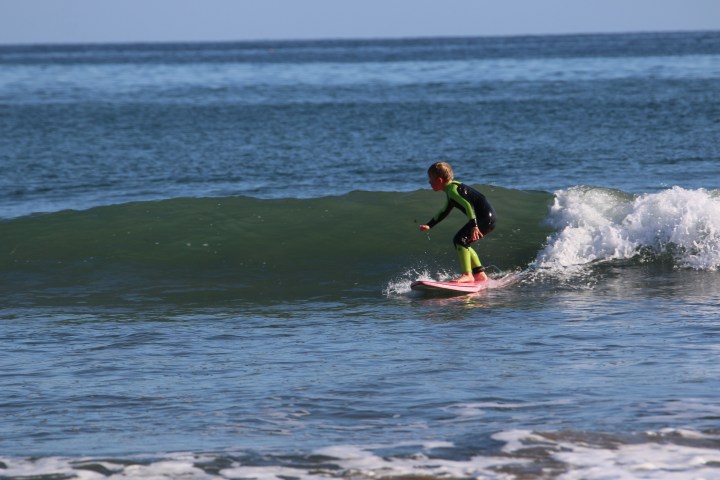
(480, 277)
(465, 278)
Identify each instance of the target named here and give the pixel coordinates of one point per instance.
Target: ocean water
(206, 253)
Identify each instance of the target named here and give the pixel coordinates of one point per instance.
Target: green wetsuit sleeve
(441, 214)
(463, 203)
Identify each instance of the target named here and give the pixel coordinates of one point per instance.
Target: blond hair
(441, 170)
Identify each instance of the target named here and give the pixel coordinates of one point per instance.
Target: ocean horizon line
(348, 40)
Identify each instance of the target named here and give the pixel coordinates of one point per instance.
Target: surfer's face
(436, 183)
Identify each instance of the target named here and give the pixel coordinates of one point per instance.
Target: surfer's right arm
(439, 217)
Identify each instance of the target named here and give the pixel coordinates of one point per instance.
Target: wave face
(210, 250)
(213, 249)
(238, 248)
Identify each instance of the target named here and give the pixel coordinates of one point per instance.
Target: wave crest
(595, 224)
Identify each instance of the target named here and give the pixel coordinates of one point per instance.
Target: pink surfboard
(464, 287)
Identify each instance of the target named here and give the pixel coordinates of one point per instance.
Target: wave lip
(597, 225)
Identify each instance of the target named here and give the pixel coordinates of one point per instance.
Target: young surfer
(480, 214)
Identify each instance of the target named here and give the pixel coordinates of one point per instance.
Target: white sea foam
(401, 284)
(597, 224)
(667, 454)
(174, 466)
(588, 458)
(355, 461)
(269, 473)
(647, 460)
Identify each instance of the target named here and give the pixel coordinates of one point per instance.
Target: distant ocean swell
(209, 249)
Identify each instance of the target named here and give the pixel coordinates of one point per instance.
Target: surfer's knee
(462, 239)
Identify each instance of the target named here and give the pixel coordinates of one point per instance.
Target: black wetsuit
(480, 214)
(473, 204)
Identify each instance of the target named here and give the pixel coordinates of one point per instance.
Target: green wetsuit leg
(468, 258)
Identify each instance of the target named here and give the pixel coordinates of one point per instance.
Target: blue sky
(97, 21)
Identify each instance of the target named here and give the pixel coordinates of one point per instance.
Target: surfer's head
(440, 174)
(441, 170)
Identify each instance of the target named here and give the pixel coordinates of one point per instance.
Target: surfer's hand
(424, 227)
(476, 235)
